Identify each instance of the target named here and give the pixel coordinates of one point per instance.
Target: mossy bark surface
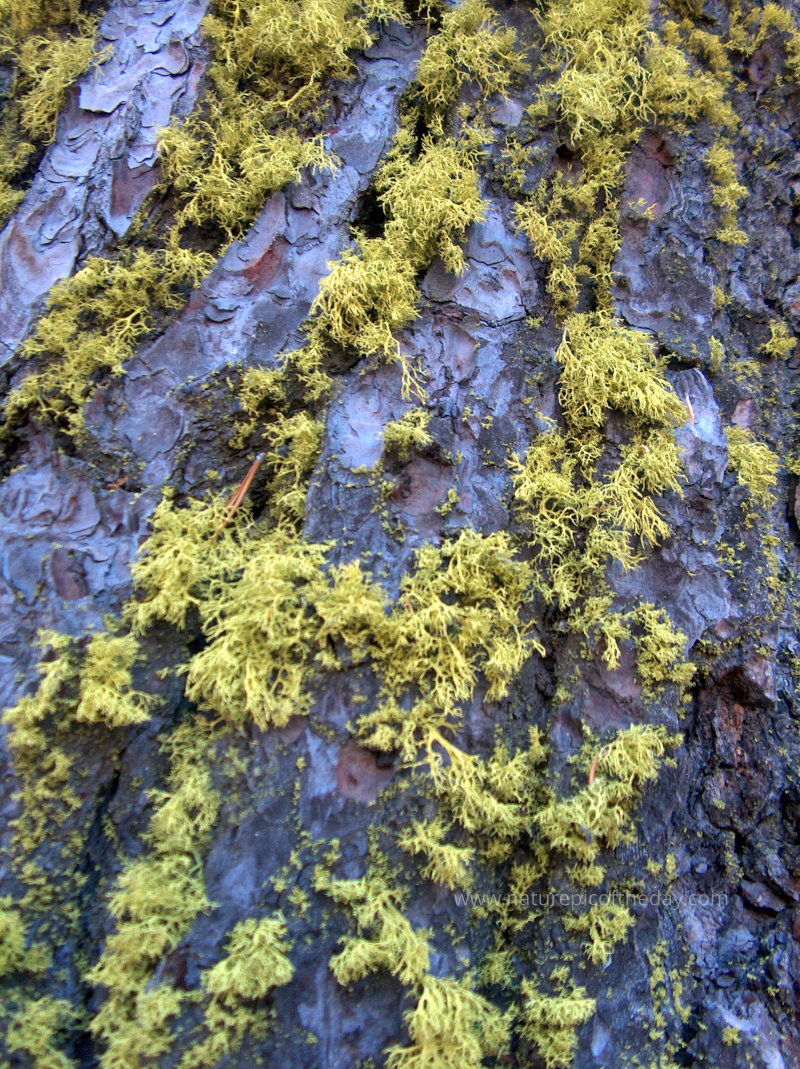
(466, 733)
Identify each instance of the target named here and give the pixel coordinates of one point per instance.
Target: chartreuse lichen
(552, 1021)
(271, 608)
(428, 190)
(38, 1028)
(220, 166)
(598, 816)
(82, 683)
(585, 508)
(755, 464)
(272, 613)
(255, 962)
(613, 78)
(94, 322)
(156, 901)
(451, 1026)
(47, 45)
(408, 434)
(371, 293)
(604, 925)
(385, 940)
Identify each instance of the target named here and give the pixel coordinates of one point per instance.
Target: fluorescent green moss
(755, 464)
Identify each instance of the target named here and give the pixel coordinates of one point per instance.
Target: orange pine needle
(238, 496)
(595, 763)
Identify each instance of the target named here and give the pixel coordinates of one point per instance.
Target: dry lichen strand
(582, 511)
(272, 613)
(221, 165)
(755, 464)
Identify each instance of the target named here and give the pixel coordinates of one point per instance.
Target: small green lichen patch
(604, 926)
(451, 1027)
(38, 1030)
(385, 939)
(552, 1021)
(154, 905)
(755, 464)
(256, 961)
(12, 937)
(106, 689)
(47, 44)
(598, 815)
(408, 434)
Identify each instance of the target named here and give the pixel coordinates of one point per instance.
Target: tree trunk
(466, 734)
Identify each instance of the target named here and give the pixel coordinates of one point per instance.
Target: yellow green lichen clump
(48, 44)
(263, 613)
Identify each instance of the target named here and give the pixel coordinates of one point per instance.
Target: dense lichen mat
(401, 697)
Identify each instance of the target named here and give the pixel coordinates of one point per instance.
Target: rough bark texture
(708, 972)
